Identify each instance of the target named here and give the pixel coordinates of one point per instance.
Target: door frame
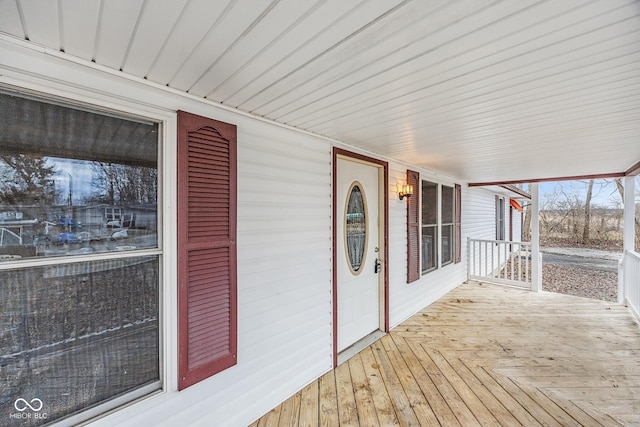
(383, 186)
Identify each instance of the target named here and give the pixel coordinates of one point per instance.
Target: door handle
(377, 266)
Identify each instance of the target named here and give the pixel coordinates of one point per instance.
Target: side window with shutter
(413, 228)
(207, 313)
(457, 256)
(500, 223)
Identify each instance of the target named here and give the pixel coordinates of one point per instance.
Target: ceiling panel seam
(213, 26)
(302, 46)
(265, 49)
(326, 51)
(398, 64)
(417, 72)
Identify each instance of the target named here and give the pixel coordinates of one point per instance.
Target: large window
(434, 226)
(500, 218)
(448, 213)
(429, 226)
(79, 259)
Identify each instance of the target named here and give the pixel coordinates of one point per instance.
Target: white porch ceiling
(483, 90)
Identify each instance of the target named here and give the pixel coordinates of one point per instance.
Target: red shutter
(207, 314)
(457, 250)
(413, 228)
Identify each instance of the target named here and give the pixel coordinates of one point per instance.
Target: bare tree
(620, 188)
(122, 184)
(32, 180)
(587, 213)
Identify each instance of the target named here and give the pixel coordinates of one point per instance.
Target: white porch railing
(631, 281)
(12, 238)
(499, 261)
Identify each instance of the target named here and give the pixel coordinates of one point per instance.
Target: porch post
(536, 259)
(629, 234)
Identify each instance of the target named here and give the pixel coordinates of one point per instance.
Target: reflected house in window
(429, 226)
(89, 330)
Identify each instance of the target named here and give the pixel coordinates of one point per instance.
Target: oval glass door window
(356, 227)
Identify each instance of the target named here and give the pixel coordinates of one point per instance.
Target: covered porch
(485, 354)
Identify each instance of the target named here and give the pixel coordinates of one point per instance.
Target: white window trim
(452, 224)
(501, 218)
(437, 267)
(143, 398)
(439, 186)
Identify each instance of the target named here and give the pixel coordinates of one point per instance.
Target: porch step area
(485, 355)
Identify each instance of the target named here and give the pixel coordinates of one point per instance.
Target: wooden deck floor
(485, 355)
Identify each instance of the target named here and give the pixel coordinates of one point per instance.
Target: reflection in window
(447, 224)
(73, 182)
(75, 335)
(500, 222)
(356, 227)
(429, 226)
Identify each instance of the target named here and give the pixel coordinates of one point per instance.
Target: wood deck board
(605, 419)
(525, 400)
(381, 399)
(347, 409)
(430, 392)
(328, 405)
(399, 399)
(518, 411)
(364, 400)
(463, 414)
(417, 401)
(480, 411)
(309, 404)
(290, 411)
(271, 418)
(486, 355)
(483, 393)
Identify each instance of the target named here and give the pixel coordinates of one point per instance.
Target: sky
(605, 193)
(80, 172)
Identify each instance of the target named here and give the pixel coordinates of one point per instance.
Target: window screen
(429, 226)
(447, 225)
(74, 181)
(75, 332)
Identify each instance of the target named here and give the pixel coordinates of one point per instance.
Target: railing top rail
(633, 254)
(507, 242)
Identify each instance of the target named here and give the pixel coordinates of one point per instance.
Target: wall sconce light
(405, 190)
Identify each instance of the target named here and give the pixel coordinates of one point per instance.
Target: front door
(358, 251)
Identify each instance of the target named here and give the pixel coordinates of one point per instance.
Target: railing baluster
(493, 261)
(631, 280)
(512, 262)
(493, 264)
(486, 258)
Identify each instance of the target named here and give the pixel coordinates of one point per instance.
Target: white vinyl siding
(284, 241)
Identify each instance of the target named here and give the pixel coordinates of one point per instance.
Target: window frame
(85, 99)
(500, 218)
(435, 226)
(451, 225)
(415, 226)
